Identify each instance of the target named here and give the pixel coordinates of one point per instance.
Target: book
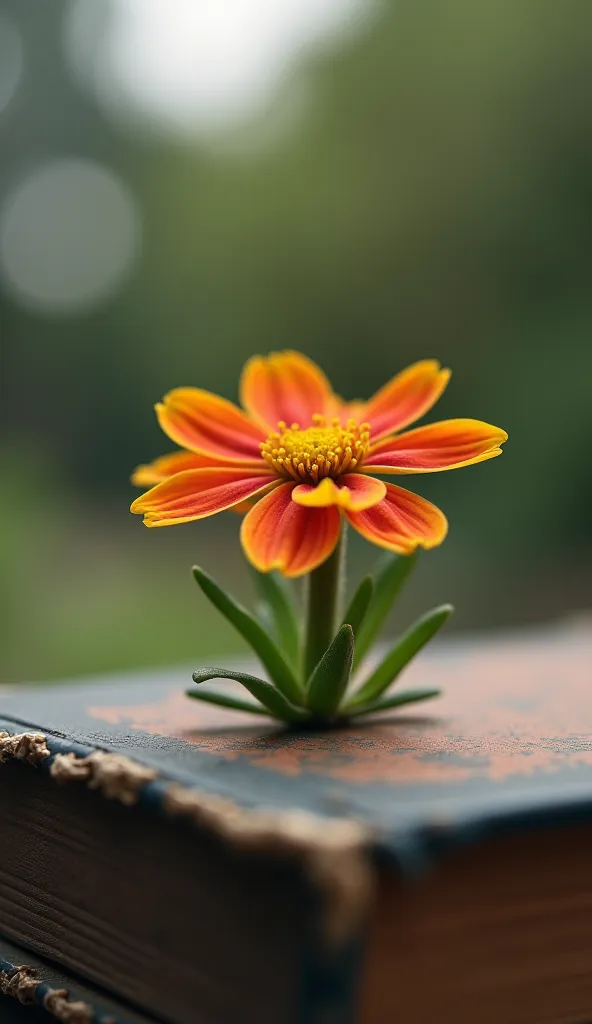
(208, 866)
(35, 992)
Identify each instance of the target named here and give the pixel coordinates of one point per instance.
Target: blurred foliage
(434, 198)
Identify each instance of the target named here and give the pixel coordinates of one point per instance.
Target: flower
(298, 458)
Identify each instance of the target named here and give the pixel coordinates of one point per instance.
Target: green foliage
(359, 605)
(266, 650)
(268, 695)
(388, 703)
(223, 700)
(322, 698)
(400, 655)
(328, 682)
(431, 196)
(393, 572)
(279, 608)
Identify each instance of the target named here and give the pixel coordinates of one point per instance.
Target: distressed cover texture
(508, 746)
(35, 992)
(510, 737)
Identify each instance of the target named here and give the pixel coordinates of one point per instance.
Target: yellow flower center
(322, 450)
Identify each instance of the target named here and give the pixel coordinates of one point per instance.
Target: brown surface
(96, 887)
(500, 933)
(512, 706)
(496, 932)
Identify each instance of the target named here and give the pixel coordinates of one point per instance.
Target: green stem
(324, 591)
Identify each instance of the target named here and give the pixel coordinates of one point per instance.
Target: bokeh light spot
(69, 235)
(198, 66)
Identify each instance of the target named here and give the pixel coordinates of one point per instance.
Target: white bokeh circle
(195, 67)
(69, 236)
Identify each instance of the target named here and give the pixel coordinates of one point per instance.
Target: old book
(208, 867)
(33, 991)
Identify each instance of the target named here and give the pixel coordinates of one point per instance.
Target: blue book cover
(207, 865)
(33, 991)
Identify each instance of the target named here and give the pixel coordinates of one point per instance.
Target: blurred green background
(182, 185)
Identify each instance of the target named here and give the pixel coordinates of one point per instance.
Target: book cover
(507, 748)
(35, 992)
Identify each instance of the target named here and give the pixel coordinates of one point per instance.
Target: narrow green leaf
(263, 614)
(397, 701)
(416, 637)
(359, 604)
(270, 657)
(283, 614)
(388, 583)
(212, 697)
(268, 695)
(329, 679)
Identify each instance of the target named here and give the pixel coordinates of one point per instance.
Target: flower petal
(449, 444)
(355, 410)
(197, 493)
(352, 490)
(243, 506)
(167, 465)
(401, 522)
(209, 425)
(405, 398)
(284, 386)
(280, 534)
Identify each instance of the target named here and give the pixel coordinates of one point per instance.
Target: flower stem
(324, 591)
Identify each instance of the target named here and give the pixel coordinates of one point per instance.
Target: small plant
(302, 464)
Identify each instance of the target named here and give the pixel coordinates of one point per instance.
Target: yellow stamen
(312, 453)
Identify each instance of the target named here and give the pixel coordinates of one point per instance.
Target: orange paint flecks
(507, 710)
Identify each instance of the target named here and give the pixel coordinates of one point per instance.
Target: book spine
(22, 984)
(328, 993)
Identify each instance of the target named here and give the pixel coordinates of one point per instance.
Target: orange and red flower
(298, 458)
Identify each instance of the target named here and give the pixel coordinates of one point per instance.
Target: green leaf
(359, 604)
(388, 583)
(270, 657)
(213, 697)
(396, 701)
(268, 695)
(329, 679)
(416, 637)
(285, 621)
(263, 614)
